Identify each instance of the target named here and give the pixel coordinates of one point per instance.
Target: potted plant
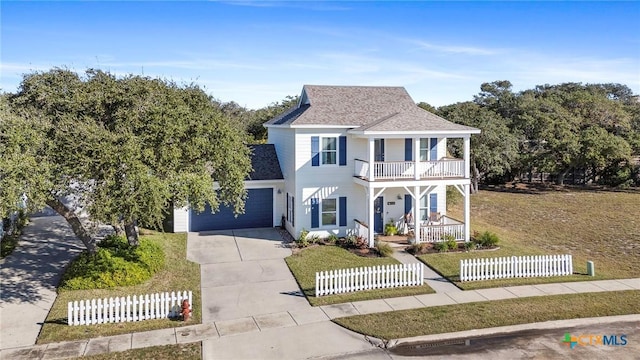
(390, 229)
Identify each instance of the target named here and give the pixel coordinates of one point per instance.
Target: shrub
(115, 263)
(486, 239)
(450, 240)
(417, 249)
(332, 239)
(469, 245)
(390, 229)
(302, 240)
(442, 246)
(384, 248)
(314, 239)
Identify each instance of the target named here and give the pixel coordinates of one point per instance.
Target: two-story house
(354, 158)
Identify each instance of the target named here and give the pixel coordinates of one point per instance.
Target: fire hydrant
(185, 312)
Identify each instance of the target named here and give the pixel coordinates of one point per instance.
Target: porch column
(416, 213)
(416, 158)
(467, 156)
(467, 211)
(370, 221)
(371, 146)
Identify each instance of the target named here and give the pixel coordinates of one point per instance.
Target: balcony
(406, 170)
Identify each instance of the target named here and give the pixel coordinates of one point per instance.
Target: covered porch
(401, 206)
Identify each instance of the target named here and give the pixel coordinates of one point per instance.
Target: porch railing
(391, 170)
(361, 229)
(436, 232)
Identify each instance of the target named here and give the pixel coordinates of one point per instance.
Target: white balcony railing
(392, 170)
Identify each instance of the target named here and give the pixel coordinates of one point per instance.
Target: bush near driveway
(116, 263)
(176, 274)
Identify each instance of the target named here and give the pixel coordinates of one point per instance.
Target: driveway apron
(244, 274)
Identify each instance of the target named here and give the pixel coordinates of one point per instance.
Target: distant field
(597, 225)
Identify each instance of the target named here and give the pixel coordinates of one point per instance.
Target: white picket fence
(515, 267)
(132, 308)
(367, 278)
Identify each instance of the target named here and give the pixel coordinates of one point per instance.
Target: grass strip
(178, 274)
(305, 263)
(191, 351)
(451, 318)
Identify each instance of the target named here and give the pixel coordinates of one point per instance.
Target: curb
(553, 324)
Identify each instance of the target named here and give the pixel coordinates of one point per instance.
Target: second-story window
(424, 149)
(329, 152)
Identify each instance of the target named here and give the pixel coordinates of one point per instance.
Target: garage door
(258, 213)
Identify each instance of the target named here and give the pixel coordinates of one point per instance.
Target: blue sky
(258, 52)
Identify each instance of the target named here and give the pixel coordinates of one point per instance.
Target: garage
(258, 213)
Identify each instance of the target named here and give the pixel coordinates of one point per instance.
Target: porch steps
(431, 278)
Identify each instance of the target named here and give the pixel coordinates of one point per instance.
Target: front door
(378, 220)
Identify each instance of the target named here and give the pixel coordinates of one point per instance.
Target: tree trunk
(118, 230)
(475, 177)
(132, 234)
(76, 225)
(560, 177)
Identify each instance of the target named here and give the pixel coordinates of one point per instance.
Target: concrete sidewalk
(29, 278)
(278, 335)
(437, 282)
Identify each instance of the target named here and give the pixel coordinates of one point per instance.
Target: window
(329, 151)
(329, 212)
(428, 149)
(424, 149)
(424, 208)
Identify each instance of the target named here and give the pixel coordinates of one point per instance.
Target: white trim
(413, 133)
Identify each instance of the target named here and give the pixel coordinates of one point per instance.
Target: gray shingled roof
(264, 161)
(365, 108)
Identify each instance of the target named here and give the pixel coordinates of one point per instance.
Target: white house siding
(324, 181)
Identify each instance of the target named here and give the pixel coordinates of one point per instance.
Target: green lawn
(178, 274)
(192, 351)
(601, 226)
(451, 318)
(308, 261)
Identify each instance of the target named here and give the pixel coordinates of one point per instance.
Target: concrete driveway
(244, 274)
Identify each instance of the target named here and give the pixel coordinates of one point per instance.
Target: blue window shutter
(342, 147)
(433, 150)
(407, 203)
(288, 207)
(293, 211)
(433, 203)
(315, 151)
(315, 213)
(343, 210)
(408, 149)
